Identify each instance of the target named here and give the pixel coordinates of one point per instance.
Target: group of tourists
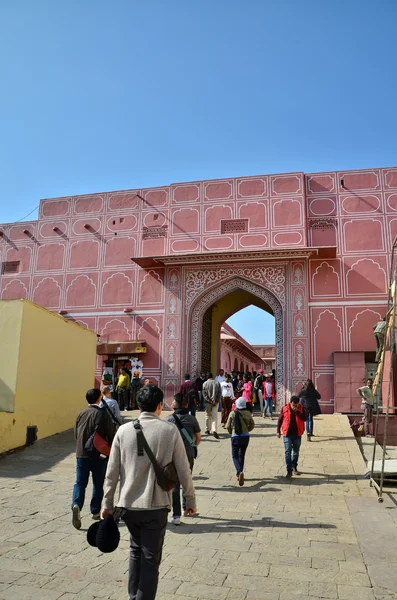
(150, 457)
(127, 388)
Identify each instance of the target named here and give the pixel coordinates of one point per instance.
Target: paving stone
(271, 539)
(29, 593)
(323, 590)
(194, 576)
(349, 592)
(202, 591)
(66, 585)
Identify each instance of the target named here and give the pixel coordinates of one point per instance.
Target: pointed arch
(327, 284)
(329, 331)
(14, 290)
(361, 338)
(81, 292)
(366, 278)
(116, 330)
(49, 295)
(215, 293)
(117, 290)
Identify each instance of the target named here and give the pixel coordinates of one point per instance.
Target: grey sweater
(212, 391)
(139, 489)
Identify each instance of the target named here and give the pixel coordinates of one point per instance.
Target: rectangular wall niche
(234, 226)
(11, 266)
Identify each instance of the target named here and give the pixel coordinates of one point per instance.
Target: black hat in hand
(104, 534)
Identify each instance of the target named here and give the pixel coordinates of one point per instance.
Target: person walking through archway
(309, 398)
(212, 395)
(258, 388)
(247, 391)
(227, 399)
(268, 392)
(239, 424)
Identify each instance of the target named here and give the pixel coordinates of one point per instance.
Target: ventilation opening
(11, 266)
(234, 226)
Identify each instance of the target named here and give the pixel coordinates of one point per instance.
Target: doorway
(217, 306)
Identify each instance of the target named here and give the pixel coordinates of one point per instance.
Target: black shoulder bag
(166, 477)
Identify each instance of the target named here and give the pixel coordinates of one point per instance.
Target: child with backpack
(191, 435)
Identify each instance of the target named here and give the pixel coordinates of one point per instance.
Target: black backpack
(192, 397)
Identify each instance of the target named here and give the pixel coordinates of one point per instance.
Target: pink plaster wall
(77, 257)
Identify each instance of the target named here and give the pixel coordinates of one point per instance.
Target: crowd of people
(152, 459)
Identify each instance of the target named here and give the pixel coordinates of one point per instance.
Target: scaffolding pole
(388, 345)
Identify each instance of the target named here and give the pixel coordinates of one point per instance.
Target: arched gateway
(194, 323)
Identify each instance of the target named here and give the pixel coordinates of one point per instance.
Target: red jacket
(264, 388)
(286, 419)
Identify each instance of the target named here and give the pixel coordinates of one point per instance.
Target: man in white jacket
(145, 503)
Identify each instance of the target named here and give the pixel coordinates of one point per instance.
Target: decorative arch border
(211, 295)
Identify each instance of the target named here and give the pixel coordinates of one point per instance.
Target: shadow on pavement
(39, 458)
(241, 525)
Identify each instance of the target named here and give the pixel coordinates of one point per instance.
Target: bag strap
(107, 408)
(183, 430)
(143, 445)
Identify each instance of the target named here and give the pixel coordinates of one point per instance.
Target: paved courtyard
(320, 535)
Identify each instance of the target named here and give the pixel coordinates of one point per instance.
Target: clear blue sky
(99, 95)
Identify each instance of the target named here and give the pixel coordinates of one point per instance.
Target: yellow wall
(222, 310)
(55, 368)
(10, 330)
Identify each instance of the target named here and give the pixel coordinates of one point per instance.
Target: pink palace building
(156, 272)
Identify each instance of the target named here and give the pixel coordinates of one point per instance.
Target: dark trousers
(226, 408)
(192, 410)
(85, 466)
(176, 496)
(239, 448)
(147, 530)
(292, 444)
(123, 398)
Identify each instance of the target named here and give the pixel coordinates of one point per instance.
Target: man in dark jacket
(198, 386)
(88, 421)
(309, 398)
(189, 394)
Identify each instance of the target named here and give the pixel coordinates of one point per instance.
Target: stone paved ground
(273, 539)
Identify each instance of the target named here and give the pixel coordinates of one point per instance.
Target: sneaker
(76, 520)
(176, 520)
(216, 436)
(96, 516)
(241, 479)
(289, 474)
(264, 416)
(308, 437)
(296, 472)
(207, 432)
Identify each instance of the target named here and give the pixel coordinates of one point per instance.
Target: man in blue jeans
(91, 419)
(291, 423)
